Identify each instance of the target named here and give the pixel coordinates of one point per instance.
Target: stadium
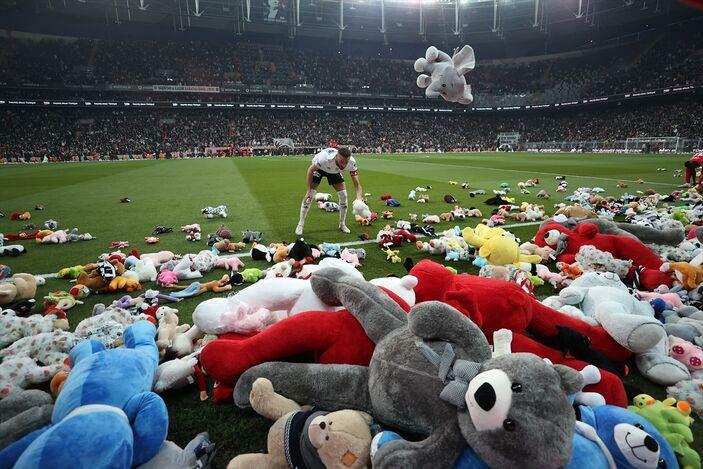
(351, 233)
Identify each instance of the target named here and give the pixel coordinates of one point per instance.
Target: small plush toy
(162, 230)
(392, 256)
(332, 439)
(687, 353)
(690, 391)
(249, 236)
(431, 219)
(229, 263)
(446, 74)
(20, 287)
(125, 200)
(673, 423)
(212, 212)
(687, 275)
(151, 239)
(197, 288)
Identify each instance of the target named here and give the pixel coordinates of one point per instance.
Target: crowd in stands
(664, 60)
(63, 134)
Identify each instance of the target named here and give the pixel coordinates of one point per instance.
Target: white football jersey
(325, 162)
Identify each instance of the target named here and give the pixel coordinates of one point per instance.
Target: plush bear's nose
(651, 444)
(485, 397)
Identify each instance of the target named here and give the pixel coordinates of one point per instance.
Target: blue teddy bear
(606, 437)
(106, 414)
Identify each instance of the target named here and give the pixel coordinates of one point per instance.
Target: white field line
(342, 244)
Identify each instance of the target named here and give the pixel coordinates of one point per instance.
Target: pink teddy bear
(686, 353)
(672, 299)
(166, 278)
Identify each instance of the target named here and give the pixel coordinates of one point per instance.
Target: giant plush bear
(446, 74)
(495, 304)
(568, 242)
(314, 336)
(105, 415)
(432, 374)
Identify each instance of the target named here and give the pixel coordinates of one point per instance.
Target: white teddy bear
(13, 327)
(446, 74)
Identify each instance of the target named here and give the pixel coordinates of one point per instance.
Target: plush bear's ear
(367, 418)
(571, 380)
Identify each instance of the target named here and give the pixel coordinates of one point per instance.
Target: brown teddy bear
(224, 232)
(449, 216)
(301, 437)
(228, 246)
(21, 287)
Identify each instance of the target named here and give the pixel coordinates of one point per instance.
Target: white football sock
(342, 208)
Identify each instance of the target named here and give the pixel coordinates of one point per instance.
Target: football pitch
(264, 194)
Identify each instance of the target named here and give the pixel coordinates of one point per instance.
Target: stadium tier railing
(683, 145)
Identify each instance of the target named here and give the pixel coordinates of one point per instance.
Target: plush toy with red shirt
(495, 304)
(312, 336)
(568, 242)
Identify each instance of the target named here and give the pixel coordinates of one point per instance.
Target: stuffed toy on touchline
(432, 374)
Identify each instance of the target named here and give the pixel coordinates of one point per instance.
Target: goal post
(653, 144)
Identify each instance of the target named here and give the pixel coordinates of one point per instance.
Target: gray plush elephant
(22, 413)
(670, 237)
(432, 375)
(446, 74)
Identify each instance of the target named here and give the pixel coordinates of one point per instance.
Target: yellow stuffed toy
(339, 439)
(496, 247)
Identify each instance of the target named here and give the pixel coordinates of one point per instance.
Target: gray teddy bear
(432, 375)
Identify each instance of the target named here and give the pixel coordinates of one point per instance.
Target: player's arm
(357, 185)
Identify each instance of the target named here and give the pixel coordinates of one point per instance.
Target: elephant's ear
(464, 60)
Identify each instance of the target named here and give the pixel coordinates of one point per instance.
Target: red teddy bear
(621, 247)
(495, 304)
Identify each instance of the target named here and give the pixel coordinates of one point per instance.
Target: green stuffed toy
(680, 215)
(674, 423)
(251, 275)
(70, 272)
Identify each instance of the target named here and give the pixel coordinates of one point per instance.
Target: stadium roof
(545, 24)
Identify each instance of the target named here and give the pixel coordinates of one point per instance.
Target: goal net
(653, 144)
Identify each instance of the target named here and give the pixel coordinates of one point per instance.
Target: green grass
(264, 194)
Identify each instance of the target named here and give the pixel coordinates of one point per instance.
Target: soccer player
(695, 162)
(330, 163)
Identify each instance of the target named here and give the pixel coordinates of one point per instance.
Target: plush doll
(23, 412)
(298, 436)
(316, 334)
(495, 304)
(20, 287)
(120, 424)
(673, 424)
(442, 75)
(249, 236)
(567, 244)
(212, 212)
(290, 295)
(687, 275)
(687, 353)
(432, 375)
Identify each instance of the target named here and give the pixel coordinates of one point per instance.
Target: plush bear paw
(661, 369)
(636, 333)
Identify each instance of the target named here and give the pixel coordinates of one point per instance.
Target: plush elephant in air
(443, 76)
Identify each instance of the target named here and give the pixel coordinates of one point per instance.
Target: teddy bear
(20, 287)
(545, 253)
(592, 259)
(22, 412)
(495, 304)
(168, 325)
(158, 258)
(689, 391)
(687, 353)
(432, 375)
(298, 436)
(446, 74)
(687, 275)
(568, 242)
(499, 250)
(555, 279)
(120, 420)
(13, 327)
(288, 295)
(316, 334)
(102, 315)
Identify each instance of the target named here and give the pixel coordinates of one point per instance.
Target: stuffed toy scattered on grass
(568, 242)
(23, 412)
(301, 437)
(495, 304)
(20, 287)
(316, 334)
(432, 374)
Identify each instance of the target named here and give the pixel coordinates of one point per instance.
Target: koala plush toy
(432, 374)
(443, 76)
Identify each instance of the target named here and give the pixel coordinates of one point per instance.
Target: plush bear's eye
(661, 464)
(509, 425)
(639, 425)
(516, 387)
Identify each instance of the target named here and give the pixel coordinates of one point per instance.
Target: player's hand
(308, 199)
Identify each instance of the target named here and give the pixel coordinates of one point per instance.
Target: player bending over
(330, 163)
(695, 162)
